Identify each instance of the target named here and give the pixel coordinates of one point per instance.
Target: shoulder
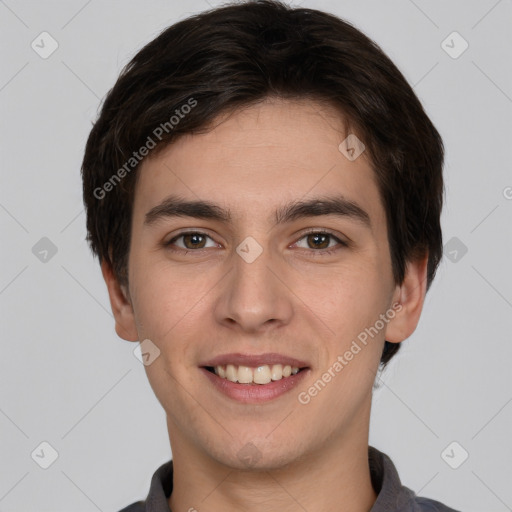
(392, 495)
(138, 506)
(159, 492)
(427, 505)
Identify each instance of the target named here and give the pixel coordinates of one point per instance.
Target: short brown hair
(240, 54)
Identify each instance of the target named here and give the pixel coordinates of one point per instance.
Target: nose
(254, 296)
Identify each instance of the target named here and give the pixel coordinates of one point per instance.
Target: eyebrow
(175, 206)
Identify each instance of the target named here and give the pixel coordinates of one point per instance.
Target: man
(263, 191)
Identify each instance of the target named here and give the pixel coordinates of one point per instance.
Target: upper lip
(254, 360)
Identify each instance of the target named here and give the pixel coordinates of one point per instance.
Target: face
(284, 268)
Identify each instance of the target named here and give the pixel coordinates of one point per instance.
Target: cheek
(350, 295)
(349, 304)
(157, 300)
(169, 303)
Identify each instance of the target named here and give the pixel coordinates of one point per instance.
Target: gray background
(67, 379)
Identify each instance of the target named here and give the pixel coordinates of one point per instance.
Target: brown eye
(318, 240)
(194, 241)
(189, 241)
(320, 243)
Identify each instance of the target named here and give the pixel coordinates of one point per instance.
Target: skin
(290, 300)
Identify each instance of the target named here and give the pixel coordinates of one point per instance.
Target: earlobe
(120, 304)
(409, 299)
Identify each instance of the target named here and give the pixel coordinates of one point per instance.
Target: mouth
(254, 379)
(259, 375)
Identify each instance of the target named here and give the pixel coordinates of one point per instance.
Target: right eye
(191, 241)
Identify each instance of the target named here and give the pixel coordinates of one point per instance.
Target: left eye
(320, 240)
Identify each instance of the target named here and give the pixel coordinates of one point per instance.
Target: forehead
(260, 157)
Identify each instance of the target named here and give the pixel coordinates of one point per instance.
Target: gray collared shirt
(392, 496)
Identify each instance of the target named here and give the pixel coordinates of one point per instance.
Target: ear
(410, 296)
(121, 306)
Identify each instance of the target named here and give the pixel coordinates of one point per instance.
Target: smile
(259, 375)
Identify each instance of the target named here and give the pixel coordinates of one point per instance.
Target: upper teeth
(260, 375)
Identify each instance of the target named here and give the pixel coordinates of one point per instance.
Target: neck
(337, 474)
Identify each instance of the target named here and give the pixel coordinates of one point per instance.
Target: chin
(257, 455)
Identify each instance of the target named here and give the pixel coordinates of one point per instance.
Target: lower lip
(255, 393)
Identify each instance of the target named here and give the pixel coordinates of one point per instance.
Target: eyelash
(319, 252)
